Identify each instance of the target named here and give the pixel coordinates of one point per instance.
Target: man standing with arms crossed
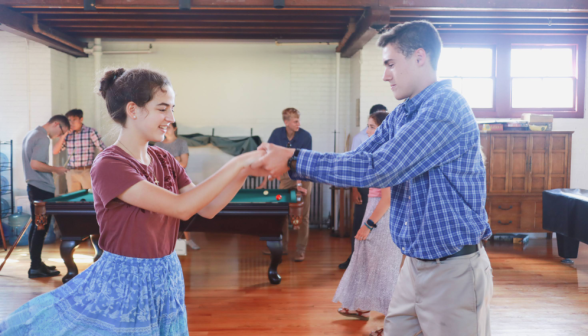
(428, 151)
(293, 136)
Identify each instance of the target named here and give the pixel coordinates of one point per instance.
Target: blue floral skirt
(115, 296)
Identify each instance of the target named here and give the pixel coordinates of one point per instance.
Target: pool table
(254, 212)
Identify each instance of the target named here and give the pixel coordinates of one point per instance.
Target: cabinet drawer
(505, 224)
(505, 207)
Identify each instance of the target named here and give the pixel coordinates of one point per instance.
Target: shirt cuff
(303, 165)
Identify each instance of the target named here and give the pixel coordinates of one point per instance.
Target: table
(250, 212)
(565, 212)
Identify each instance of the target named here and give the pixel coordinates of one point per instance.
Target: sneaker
(193, 245)
(299, 256)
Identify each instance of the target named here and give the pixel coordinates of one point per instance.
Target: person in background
(293, 136)
(367, 286)
(359, 194)
(81, 143)
(40, 184)
(178, 147)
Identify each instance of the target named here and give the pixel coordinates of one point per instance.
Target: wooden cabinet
(519, 166)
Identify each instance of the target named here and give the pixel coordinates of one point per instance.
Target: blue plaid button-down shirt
(428, 151)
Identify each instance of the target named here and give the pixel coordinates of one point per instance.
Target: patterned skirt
(369, 281)
(117, 295)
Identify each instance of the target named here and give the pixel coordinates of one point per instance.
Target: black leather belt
(465, 250)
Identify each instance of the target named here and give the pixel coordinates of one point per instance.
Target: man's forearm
(42, 167)
(58, 146)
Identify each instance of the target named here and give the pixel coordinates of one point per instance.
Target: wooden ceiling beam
(335, 12)
(21, 25)
(132, 20)
(173, 4)
(212, 31)
(266, 36)
(221, 25)
(537, 5)
(430, 13)
(367, 27)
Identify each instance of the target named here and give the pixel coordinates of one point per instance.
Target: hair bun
(108, 80)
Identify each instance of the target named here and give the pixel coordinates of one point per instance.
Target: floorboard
(227, 292)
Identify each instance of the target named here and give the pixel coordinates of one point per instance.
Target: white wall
(25, 93)
(233, 86)
(373, 88)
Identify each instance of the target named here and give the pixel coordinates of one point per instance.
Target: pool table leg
(97, 250)
(66, 250)
(275, 247)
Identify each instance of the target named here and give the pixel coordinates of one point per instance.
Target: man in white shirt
(359, 194)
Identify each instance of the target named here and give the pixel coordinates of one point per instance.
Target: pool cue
(66, 161)
(16, 242)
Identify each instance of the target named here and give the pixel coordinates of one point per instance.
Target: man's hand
(356, 196)
(59, 170)
(275, 161)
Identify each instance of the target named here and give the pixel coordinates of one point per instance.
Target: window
(503, 76)
(471, 71)
(542, 77)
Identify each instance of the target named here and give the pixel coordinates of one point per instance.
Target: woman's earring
(134, 117)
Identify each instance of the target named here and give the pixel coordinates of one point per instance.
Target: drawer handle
(510, 222)
(501, 208)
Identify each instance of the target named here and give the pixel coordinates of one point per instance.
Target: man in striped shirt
(81, 143)
(428, 151)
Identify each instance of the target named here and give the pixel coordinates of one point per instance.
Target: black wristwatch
(293, 160)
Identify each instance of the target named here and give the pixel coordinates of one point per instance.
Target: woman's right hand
(363, 233)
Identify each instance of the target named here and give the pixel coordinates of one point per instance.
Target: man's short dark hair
(60, 118)
(414, 35)
(75, 113)
(378, 108)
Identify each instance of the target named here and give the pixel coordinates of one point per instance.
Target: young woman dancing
(140, 195)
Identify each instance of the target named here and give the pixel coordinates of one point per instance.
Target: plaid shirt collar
(412, 105)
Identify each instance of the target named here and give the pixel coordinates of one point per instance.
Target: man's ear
(420, 56)
(82, 120)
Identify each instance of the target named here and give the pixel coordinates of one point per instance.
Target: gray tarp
(230, 145)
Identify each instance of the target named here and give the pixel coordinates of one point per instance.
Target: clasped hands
(269, 161)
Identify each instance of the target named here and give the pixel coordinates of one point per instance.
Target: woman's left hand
(363, 233)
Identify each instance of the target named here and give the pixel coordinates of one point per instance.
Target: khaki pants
(78, 179)
(302, 241)
(449, 298)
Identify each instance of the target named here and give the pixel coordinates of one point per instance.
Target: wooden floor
(227, 292)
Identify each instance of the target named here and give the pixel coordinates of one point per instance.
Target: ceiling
(65, 24)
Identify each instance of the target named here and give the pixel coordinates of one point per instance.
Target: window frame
(503, 43)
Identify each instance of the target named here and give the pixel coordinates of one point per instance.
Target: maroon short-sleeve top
(125, 229)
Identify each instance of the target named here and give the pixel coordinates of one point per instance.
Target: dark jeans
(358, 214)
(37, 237)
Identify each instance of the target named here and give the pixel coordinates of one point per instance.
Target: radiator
(316, 199)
